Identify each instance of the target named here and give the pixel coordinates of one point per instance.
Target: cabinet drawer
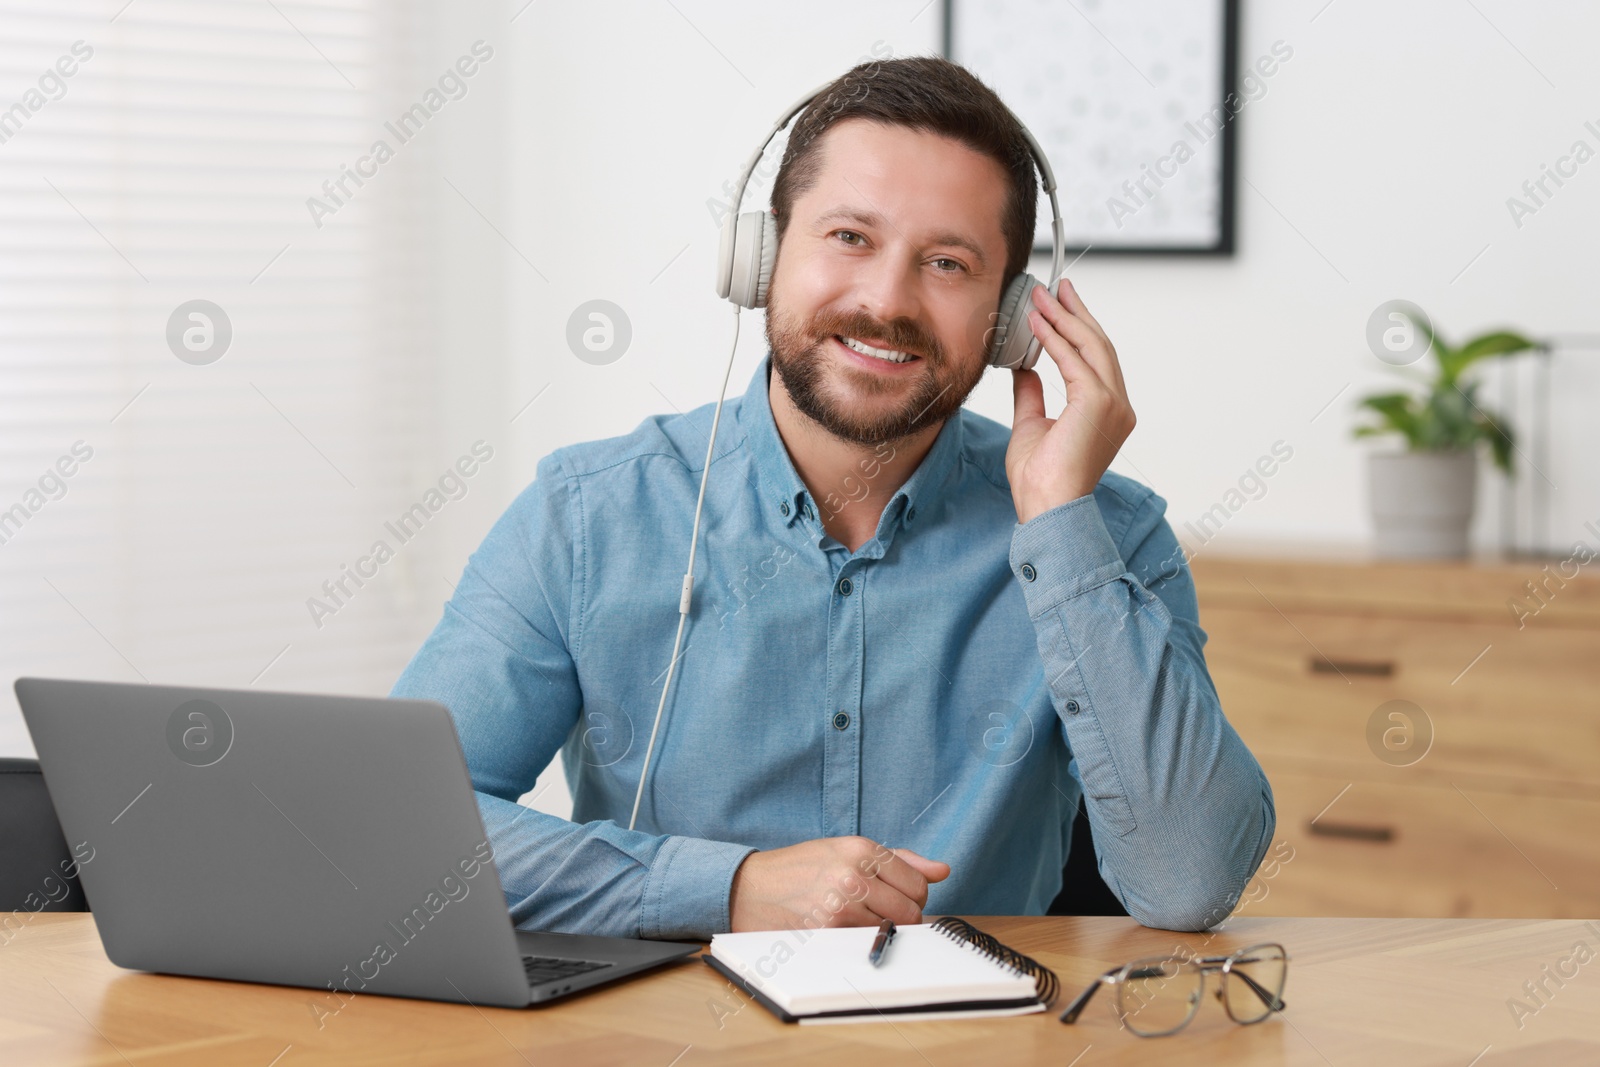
(1424, 851)
(1306, 686)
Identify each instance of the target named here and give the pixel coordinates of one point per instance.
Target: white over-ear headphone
(745, 256)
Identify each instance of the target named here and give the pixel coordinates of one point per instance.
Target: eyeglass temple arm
(1076, 1007)
(1273, 1003)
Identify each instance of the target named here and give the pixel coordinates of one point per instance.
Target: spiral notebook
(940, 970)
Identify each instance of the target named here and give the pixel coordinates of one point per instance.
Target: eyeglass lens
(1254, 984)
(1158, 996)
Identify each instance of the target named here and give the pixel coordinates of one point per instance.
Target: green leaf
(1387, 404)
(1397, 414)
(1426, 329)
(1450, 418)
(1501, 440)
(1486, 346)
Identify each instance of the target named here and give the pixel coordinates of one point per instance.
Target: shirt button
(1028, 573)
(783, 509)
(845, 586)
(1072, 707)
(911, 513)
(841, 721)
(807, 512)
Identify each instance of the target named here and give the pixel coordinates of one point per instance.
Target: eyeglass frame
(1205, 964)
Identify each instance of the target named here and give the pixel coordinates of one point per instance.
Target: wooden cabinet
(1433, 750)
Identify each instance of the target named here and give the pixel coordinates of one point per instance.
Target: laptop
(327, 842)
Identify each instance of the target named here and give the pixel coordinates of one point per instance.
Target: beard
(801, 358)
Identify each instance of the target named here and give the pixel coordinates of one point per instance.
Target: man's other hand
(1054, 461)
(834, 881)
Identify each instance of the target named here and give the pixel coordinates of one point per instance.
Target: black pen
(880, 944)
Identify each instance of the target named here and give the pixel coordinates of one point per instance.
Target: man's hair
(932, 95)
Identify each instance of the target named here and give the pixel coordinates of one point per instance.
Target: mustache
(902, 335)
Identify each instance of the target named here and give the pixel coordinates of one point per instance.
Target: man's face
(897, 246)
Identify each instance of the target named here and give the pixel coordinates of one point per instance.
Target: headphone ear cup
(769, 256)
(1012, 345)
(745, 254)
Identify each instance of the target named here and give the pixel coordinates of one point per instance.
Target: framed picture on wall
(1135, 105)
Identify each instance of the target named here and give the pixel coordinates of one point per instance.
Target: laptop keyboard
(542, 969)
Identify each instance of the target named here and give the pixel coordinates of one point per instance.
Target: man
(918, 636)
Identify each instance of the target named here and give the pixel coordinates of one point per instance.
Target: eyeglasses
(1157, 996)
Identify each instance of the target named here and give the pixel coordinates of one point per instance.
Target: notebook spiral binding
(1045, 980)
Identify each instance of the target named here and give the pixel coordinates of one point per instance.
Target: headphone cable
(687, 594)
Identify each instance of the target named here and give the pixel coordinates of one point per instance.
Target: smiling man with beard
(968, 630)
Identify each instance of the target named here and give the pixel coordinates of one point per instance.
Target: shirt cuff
(1062, 552)
(686, 893)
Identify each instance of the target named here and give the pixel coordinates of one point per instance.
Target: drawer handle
(1382, 668)
(1378, 835)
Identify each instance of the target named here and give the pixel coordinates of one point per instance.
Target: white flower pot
(1422, 502)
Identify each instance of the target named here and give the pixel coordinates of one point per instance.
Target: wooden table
(1420, 992)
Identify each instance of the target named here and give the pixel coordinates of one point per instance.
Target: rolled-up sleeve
(1181, 811)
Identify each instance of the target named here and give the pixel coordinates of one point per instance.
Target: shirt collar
(782, 489)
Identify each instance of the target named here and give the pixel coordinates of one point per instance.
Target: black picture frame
(1228, 171)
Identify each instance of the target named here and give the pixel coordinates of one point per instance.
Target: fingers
(1075, 370)
(932, 870)
(1069, 327)
(884, 901)
(902, 878)
(1027, 393)
(1089, 397)
(870, 897)
(897, 884)
(1079, 330)
(1067, 293)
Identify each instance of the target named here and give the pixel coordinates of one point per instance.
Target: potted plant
(1422, 499)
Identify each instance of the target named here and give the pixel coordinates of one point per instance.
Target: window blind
(169, 508)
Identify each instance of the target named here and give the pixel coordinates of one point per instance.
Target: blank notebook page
(806, 971)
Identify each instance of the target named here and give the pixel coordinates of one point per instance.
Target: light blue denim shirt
(952, 686)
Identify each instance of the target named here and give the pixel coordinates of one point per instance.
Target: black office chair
(36, 868)
(1083, 892)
